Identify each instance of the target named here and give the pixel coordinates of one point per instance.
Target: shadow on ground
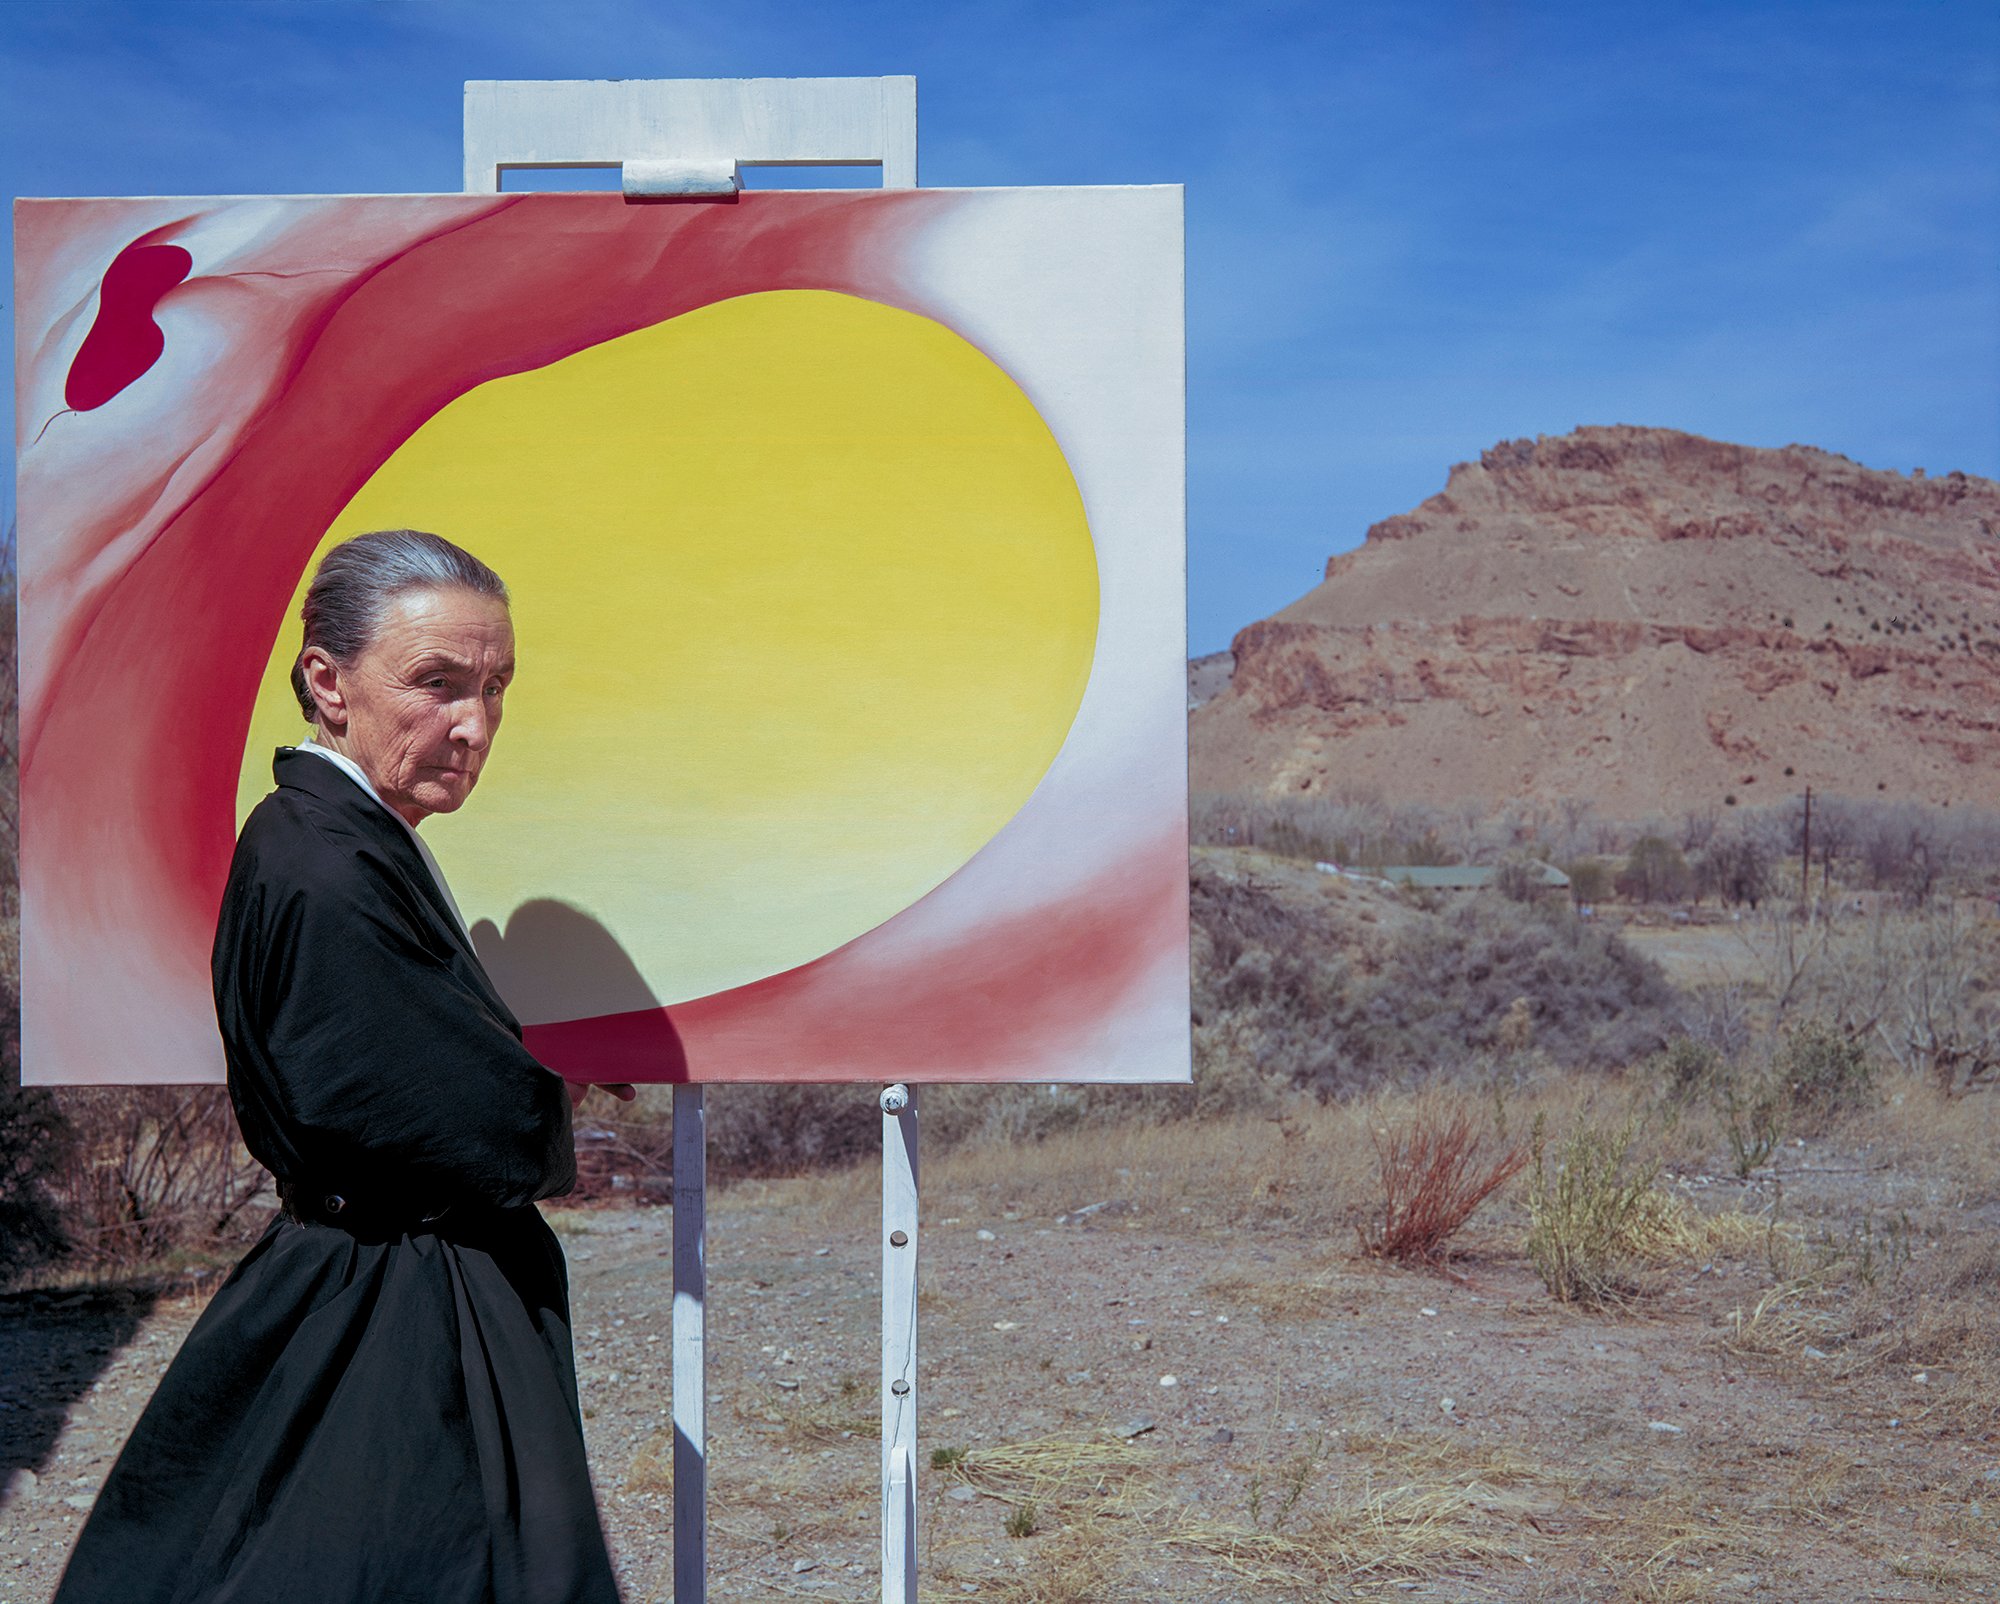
(54, 1345)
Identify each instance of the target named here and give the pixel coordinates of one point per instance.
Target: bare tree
(1522, 824)
(1737, 865)
(1462, 827)
(1924, 985)
(1905, 850)
(1654, 871)
(1579, 835)
(1834, 835)
(1698, 827)
(1788, 949)
(1716, 1014)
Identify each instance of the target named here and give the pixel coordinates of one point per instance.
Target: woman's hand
(624, 1091)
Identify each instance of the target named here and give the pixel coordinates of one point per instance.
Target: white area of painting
(1078, 295)
(178, 420)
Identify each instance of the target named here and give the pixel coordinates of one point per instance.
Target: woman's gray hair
(359, 578)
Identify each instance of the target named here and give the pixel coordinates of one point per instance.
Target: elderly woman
(380, 1403)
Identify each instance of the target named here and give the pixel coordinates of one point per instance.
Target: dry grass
(1379, 1509)
(1072, 1567)
(1817, 1491)
(1668, 1548)
(1682, 1524)
(1552, 1510)
(1436, 1167)
(1836, 1267)
(1315, 1169)
(1387, 1506)
(1378, 1533)
(652, 1467)
(1920, 1130)
(1873, 1307)
(813, 1416)
(1938, 1320)
(1309, 1170)
(1281, 1297)
(1669, 1229)
(1304, 1170)
(1786, 1320)
(1052, 1473)
(1417, 1506)
(1455, 1460)
(1071, 1502)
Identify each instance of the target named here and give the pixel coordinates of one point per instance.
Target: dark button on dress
(380, 1402)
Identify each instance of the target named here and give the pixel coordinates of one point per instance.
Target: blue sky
(1414, 230)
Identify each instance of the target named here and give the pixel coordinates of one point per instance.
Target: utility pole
(1805, 856)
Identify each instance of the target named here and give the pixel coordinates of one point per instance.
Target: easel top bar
(606, 122)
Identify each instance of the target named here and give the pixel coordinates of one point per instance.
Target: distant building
(1463, 876)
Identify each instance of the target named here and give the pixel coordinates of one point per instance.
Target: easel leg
(899, 1345)
(690, 1346)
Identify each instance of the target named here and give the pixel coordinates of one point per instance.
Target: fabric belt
(313, 1203)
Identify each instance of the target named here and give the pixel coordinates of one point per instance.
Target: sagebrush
(1590, 1212)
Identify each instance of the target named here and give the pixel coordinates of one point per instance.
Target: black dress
(380, 1402)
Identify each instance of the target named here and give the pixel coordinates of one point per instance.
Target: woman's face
(418, 707)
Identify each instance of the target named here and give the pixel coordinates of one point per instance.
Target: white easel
(691, 137)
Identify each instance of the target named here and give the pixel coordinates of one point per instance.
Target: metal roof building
(1462, 876)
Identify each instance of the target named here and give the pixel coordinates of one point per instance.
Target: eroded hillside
(1642, 617)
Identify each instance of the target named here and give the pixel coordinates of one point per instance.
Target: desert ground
(1156, 1366)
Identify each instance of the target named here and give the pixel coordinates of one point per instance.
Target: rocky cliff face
(1644, 618)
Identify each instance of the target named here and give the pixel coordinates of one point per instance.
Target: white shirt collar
(352, 770)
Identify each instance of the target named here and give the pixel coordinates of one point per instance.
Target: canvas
(845, 537)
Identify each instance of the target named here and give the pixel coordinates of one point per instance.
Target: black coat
(380, 1402)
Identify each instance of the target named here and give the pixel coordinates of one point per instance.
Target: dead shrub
(752, 1131)
(35, 1141)
(1923, 1129)
(1684, 1069)
(1920, 986)
(790, 1128)
(1437, 1167)
(1825, 1071)
(1293, 984)
(1717, 1014)
(1939, 1313)
(154, 1171)
(1752, 1110)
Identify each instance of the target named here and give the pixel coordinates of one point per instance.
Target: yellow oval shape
(805, 600)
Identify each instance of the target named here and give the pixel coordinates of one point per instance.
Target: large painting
(845, 537)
